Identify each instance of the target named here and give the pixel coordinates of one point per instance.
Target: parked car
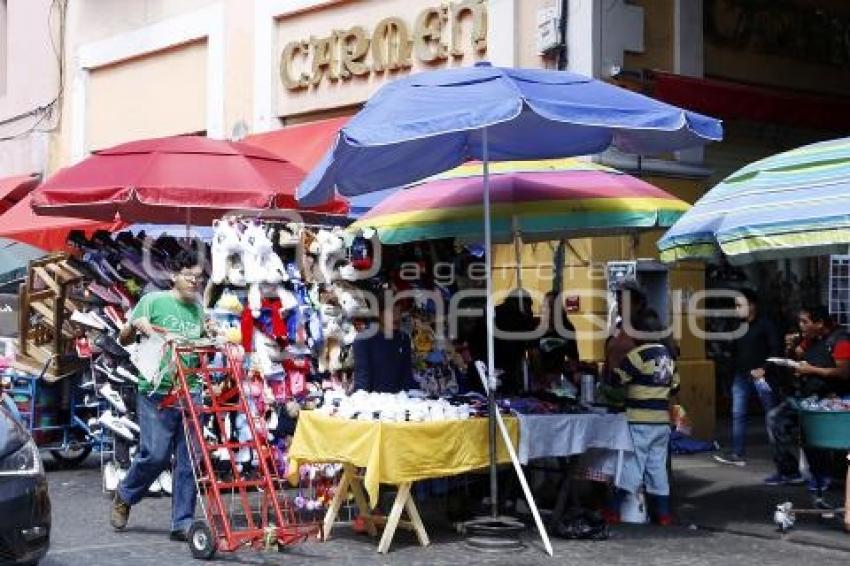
(24, 501)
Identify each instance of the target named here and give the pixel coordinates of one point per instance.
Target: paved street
(82, 536)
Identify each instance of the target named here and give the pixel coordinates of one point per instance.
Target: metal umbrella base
(495, 534)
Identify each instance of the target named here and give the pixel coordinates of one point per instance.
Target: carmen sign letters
(436, 36)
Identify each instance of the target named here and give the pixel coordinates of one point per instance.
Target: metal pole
(518, 257)
(517, 250)
(491, 361)
(560, 259)
(529, 497)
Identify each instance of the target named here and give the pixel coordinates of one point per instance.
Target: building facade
(232, 68)
(31, 87)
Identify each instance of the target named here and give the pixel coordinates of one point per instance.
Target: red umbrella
(49, 233)
(173, 180)
(302, 144)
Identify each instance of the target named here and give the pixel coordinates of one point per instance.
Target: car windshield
(12, 434)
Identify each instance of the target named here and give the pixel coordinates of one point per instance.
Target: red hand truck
(267, 520)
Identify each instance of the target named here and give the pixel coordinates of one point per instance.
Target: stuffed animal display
(289, 295)
(399, 407)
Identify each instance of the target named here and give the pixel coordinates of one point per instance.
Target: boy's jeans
(162, 436)
(783, 429)
(647, 465)
(742, 387)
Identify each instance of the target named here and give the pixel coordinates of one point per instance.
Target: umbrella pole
(493, 532)
(560, 259)
(518, 258)
(517, 250)
(491, 360)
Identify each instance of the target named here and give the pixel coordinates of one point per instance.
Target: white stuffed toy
(273, 266)
(262, 264)
(349, 333)
(226, 245)
(330, 357)
(236, 272)
(329, 247)
(289, 235)
(350, 300)
(347, 272)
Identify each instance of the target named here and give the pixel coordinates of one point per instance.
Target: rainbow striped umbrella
(790, 204)
(537, 200)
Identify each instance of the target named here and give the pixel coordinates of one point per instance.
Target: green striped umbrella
(795, 203)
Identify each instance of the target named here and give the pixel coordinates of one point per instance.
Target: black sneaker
(109, 345)
(120, 513)
(731, 458)
(179, 536)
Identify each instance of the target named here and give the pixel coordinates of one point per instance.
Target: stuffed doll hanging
(262, 264)
(226, 245)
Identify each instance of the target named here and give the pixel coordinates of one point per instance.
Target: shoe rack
(45, 332)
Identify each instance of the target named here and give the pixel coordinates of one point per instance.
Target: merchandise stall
(65, 372)
(73, 384)
(384, 439)
(536, 201)
(390, 450)
(188, 179)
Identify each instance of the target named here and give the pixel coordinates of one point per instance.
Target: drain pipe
(562, 50)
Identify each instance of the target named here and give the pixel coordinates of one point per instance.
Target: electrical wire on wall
(50, 112)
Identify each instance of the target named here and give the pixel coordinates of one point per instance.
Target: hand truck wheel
(201, 540)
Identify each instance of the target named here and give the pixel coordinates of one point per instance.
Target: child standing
(649, 374)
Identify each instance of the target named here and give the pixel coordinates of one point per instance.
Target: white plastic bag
(147, 358)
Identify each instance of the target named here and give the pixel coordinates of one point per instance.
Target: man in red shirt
(824, 371)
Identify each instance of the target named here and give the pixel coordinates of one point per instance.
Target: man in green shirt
(175, 315)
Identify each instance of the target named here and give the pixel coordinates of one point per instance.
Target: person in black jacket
(515, 320)
(383, 360)
(760, 341)
(558, 349)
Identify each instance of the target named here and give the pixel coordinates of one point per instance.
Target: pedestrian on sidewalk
(630, 299)
(783, 421)
(824, 371)
(178, 315)
(760, 341)
(649, 374)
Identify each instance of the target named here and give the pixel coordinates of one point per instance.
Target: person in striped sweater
(648, 372)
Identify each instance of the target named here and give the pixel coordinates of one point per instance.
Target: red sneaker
(610, 516)
(664, 520)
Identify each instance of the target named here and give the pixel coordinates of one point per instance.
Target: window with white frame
(839, 288)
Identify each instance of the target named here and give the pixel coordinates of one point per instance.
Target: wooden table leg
(416, 521)
(365, 510)
(394, 517)
(340, 496)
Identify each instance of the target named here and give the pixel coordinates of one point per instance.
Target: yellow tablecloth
(395, 453)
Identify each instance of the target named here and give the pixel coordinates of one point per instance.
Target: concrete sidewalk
(727, 498)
